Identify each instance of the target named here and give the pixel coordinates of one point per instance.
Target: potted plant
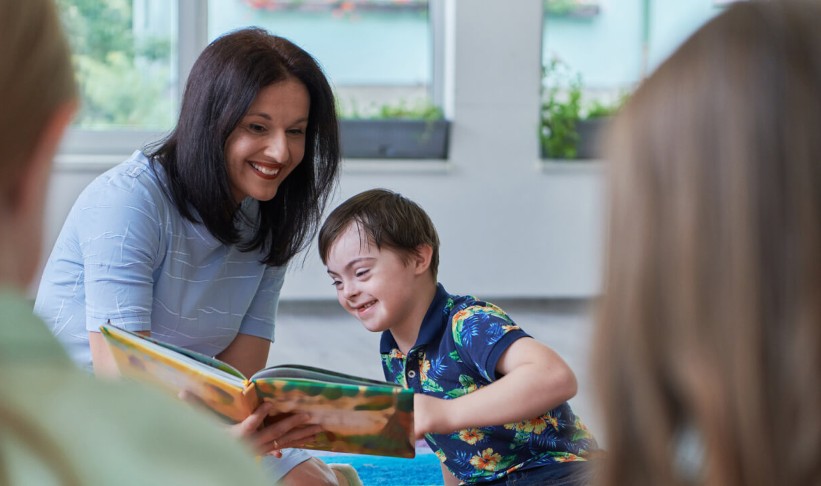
(570, 127)
(396, 131)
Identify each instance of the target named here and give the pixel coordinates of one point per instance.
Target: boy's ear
(421, 258)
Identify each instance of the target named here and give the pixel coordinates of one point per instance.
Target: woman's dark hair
(223, 83)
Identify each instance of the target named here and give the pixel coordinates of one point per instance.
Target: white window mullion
(192, 21)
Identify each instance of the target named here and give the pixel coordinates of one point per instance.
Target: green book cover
(357, 415)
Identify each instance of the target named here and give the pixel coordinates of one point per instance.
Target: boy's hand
(431, 415)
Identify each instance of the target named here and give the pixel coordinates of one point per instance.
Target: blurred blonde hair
(710, 321)
(36, 77)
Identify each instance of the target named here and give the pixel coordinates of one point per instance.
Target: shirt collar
(431, 325)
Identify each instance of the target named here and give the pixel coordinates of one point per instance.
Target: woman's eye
(296, 131)
(255, 127)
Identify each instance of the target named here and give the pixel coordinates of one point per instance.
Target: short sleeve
(482, 333)
(259, 321)
(118, 223)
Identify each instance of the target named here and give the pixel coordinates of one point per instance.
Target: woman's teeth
(269, 171)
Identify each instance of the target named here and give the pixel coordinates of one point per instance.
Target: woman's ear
(421, 258)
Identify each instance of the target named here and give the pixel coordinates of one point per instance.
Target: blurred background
(514, 183)
(519, 216)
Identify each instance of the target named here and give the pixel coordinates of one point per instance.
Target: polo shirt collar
(431, 327)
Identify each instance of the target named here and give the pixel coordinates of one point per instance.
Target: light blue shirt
(127, 255)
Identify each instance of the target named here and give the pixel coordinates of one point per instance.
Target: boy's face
(375, 286)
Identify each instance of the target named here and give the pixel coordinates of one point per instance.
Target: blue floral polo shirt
(459, 344)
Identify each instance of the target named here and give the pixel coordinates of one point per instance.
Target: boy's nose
(350, 291)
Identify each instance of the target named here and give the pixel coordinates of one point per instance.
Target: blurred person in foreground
(57, 424)
(708, 350)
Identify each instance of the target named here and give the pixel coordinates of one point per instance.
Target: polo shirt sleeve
(482, 333)
(260, 319)
(118, 227)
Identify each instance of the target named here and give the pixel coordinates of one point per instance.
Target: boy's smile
(377, 286)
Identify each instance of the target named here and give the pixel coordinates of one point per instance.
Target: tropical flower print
(468, 385)
(440, 454)
(428, 372)
(486, 461)
(424, 367)
(563, 456)
(533, 426)
(459, 344)
(510, 327)
(471, 436)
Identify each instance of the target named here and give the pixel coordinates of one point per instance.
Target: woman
(189, 241)
(709, 345)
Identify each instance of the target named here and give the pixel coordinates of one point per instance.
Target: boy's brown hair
(386, 219)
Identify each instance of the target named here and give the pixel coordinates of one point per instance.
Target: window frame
(107, 147)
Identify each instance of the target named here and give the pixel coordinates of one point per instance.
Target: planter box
(590, 137)
(588, 146)
(394, 139)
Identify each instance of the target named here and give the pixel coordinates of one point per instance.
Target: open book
(357, 415)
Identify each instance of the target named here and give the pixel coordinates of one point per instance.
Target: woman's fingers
(252, 423)
(270, 434)
(284, 431)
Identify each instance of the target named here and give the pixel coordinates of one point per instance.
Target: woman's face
(269, 141)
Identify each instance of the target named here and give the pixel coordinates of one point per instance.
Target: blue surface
(423, 470)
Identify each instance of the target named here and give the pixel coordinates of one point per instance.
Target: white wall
(510, 225)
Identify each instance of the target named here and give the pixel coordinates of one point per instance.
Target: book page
(372, 419)
(225, 392)
(317, 374)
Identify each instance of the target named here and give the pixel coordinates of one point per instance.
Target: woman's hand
(267, 434)
(270, 434)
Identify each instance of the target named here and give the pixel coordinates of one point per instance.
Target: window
(376, 52)
(132, 57)
(125, 62)
(595, 52)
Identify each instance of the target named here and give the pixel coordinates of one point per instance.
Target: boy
(490, 401)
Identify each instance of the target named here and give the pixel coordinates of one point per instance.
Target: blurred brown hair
(710, 322)
(36, 77)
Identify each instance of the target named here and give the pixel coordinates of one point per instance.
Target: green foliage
(600, 109)
(559, 7)
(402, 109)
(572, 8)
(561, 109)
(122, 78)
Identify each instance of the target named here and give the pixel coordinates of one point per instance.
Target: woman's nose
(276, 147)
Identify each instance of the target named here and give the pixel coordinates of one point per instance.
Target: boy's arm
(448, 478)
(533, 379)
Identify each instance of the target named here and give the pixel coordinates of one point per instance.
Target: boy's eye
(361, 273)
(336, 283)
